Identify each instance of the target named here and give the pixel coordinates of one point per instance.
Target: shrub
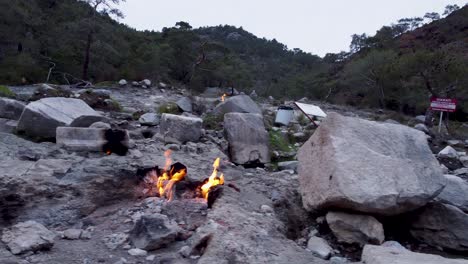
(6, 92)
(278, 142)
(169, 108)
(213, 122)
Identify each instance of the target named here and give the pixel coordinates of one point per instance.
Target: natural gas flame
(223, 97)
(213, 181)
(169, 178)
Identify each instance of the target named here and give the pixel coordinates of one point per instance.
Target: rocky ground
(69, 202)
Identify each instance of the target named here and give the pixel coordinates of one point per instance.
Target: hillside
(390, 70)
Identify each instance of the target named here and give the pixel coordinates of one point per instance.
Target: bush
(6, 92)
(213, 122)
(278, 142)
(169, 108)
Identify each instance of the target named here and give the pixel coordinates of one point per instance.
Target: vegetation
(213, 122)
(398, 68)
(169, 108)
(278, 141)
(6, 92)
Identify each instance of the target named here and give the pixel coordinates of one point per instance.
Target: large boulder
(390, 255)
(247, 137)
(366, 166)
(355, 229)
(180, 128)
(11, 109)
(93, 139)
(27, 236)
(41, 118)
(455, 192)
(442, 225)
(153, 232)
(237, 104)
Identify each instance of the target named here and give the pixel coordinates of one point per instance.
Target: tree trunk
(87, 56)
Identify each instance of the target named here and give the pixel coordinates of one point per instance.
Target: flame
(213, 181)
(223, 97)
(169, 178)
(108, 152)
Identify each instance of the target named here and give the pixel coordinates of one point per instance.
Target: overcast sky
(314, 26)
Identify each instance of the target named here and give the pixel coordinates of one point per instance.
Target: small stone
(422, 127)
(448, 152)
(150, 257)
(101, 125)
(266, 209)
(72, 234)
(319, 247)
(338, 260)
(137, 252)
(185, 251)
(123, 82)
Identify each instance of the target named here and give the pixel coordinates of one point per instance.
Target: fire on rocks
(223, 177)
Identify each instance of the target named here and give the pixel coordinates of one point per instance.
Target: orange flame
(223, 97)
(213, 181)
(168, 179)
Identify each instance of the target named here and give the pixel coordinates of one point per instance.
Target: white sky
(314, 26)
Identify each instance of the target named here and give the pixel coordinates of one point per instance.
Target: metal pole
(440, 120)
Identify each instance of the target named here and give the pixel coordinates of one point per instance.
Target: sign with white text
(443, 104)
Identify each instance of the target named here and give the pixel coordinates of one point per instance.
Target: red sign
(443, 104)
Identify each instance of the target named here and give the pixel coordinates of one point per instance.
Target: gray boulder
(455, 193)
(442, 225)
(11, 109)
(100, 125)
(367, 166)
(237, 104)
(86, 139)
(80, 138)
(319, 247)
(41, 118)
(88, 120)
(153, 232)
(247, 137)
(7, 125)
(288, 165)
(27, 236)
(185, 104)
(149, 119)
(355, 229)
(181, 129)
(422, 127)
(386, 255)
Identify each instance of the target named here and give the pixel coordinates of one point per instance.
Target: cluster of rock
(354, 172)
(361, 171)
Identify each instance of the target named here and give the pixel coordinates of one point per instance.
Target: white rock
(146, 82)
(266, 209)
(448, 152)
(150, 257)
(387, 255)
(422, 127)
(27, 236)
(72, 234)
(455, 192)
(137, 252)
(355, 229)
(367, 166)
(149, 119)
(319, 247)
(41, 118)
(123, 82)
(420, 118)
